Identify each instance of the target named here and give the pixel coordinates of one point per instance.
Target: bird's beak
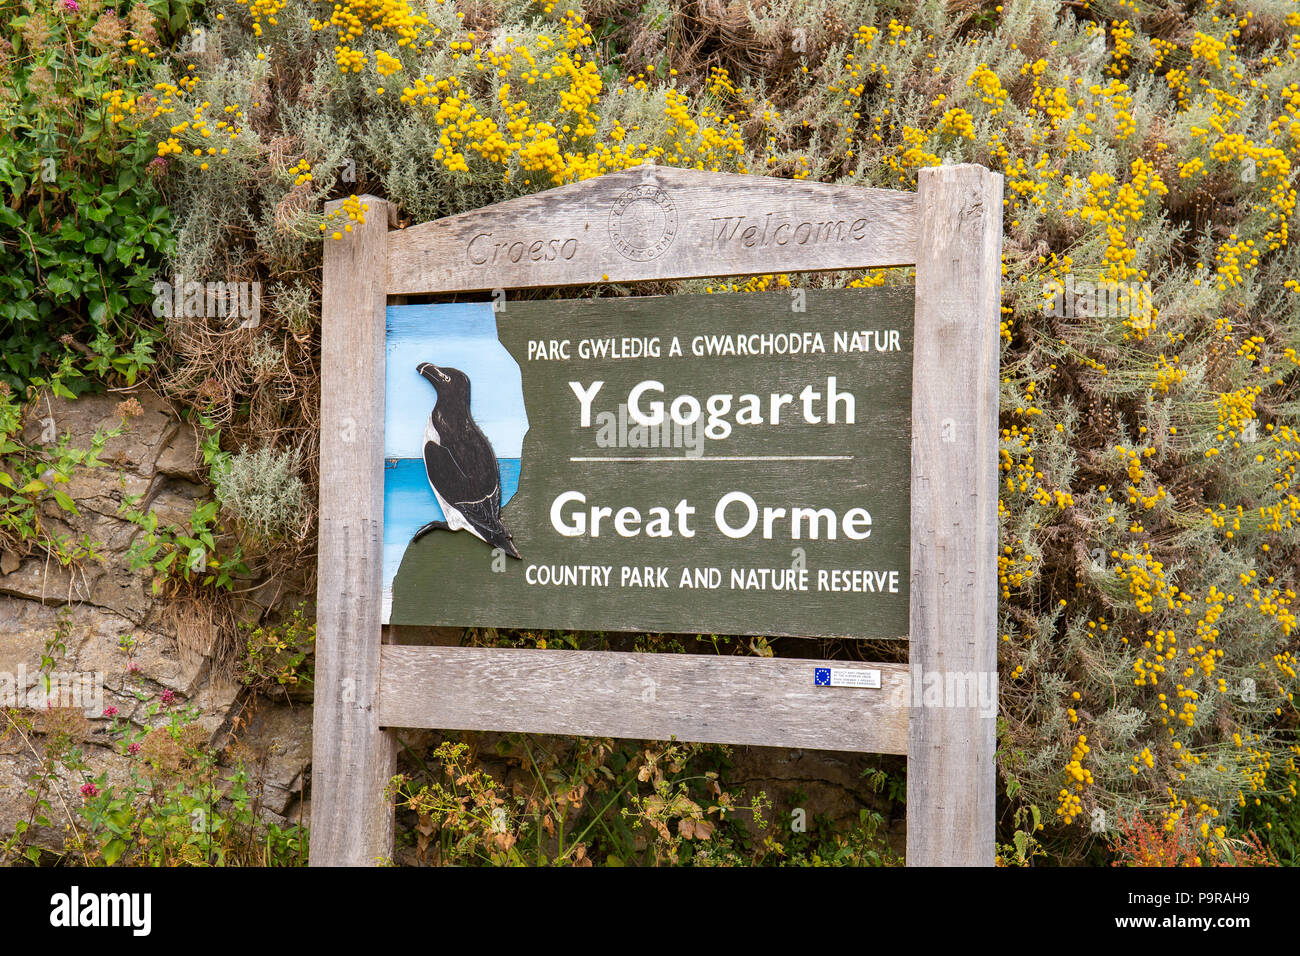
(432, 373)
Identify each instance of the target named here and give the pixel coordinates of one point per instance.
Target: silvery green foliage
(294, 304)
(264, 357)
(261, 490)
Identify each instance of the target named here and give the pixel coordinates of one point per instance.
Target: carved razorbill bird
(461, 465)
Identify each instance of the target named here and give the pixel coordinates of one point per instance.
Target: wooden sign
(507, 463)
(726, 464)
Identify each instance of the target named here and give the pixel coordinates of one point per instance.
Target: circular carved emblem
(643, 222)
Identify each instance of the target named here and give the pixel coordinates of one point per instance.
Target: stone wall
(92, 606)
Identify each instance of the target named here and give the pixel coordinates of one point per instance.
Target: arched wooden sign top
(653, 223)
(660, 223)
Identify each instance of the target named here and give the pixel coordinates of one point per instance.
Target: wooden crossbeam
(762, 702)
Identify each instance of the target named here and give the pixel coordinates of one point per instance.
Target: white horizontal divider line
(720, 458)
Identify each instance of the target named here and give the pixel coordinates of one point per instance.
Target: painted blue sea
(409, 504)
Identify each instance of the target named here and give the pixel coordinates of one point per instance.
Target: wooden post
(352, 758)
(951, 776)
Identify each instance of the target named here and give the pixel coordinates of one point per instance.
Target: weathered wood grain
(352, 758)
(765, 702)
(655, 222)
(950, 769)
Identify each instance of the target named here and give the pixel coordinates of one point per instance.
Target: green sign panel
(729, 464)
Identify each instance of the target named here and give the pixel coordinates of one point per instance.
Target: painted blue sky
(460, 335)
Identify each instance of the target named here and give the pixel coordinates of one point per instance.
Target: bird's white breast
(451, 514)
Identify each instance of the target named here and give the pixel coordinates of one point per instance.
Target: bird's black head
(451, 383)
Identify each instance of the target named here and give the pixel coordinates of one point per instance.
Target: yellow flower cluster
(353, 210)
(1077, 778)
(198, 130)
(1146, 581)
(1236, 410)
(912, 152)
(119, 105)
(386, 65)
(354, 18)
(262, 11)
(349, 59)
(1168, 374)
(1144, 758)
(753, 284)
(1208, 48)
(1052, 101)
(139, 47)
(958, 122)
(1011, 573)
(501, 129)
(989, 87)
(1121, 33)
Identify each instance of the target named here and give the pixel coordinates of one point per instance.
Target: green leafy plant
(279, 656)
(591, 802)
(85, 228)
(176, 554)
(45, 790)
(180, 807)
(31, 473)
